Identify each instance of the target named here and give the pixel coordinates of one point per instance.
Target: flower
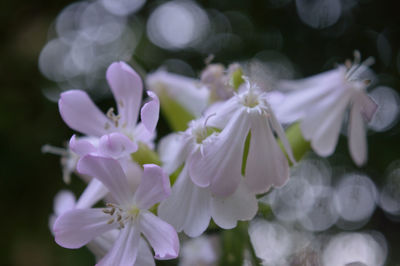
(190, 207)
(219, 165)
(80, 113)
(129, 213)
(320, 102)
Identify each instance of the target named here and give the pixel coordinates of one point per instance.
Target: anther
(110, 221)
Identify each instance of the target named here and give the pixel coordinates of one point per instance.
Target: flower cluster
(230, 148)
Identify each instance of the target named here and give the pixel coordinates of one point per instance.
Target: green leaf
(145, 155)
(236, 79)
(175, 114)
(299, 145)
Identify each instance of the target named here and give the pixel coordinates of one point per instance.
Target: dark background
(29, 179)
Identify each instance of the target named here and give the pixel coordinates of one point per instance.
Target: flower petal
(116, 145)
(153, 188)
(145, 256)
(94, 192)
(329, 122)
(161, 236)
(141, 134)
(80, 113)
(368, 105)
(110, 173)
(173, 150)
(150, 112)
(77, 227)
(240, 206)
(81, 146)
(222, 160)
(127, 88)
(102, 244)
(187, 208)
(266, 164)
(356, 136)
(282, 136)
(125, 248)
(63, 202)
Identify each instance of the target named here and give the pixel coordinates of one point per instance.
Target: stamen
(115, 118)
(54, 150)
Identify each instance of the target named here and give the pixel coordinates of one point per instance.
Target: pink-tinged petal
(153, 188)
(240, 206)
(116, 145)
(141, 134)
(81, 146)
(110, 173)
(127, 88)
(125, 248)
(63, 202)
(266, 164)
(325, 138)
(145, 256)
(161, 236)
(368, 105)
(150, 112)
(356, 136)
(80, 113)
(188, 207)
(93, 193)
(77, 227)
(222, 160)
(281, 135)
(173, 150)
(102, 244)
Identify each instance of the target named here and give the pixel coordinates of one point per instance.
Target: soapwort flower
(190, 207)
(219, 165)
(320, 103)
(128, 213)
(80, 113)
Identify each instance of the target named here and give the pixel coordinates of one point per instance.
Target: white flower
(320, 102)
(190, 207)
(219, 165)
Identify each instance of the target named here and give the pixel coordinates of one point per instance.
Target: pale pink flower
(129, 214)
(81, 114)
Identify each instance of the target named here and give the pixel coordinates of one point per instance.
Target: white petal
(356, 136)
(172, 150)
(94, 192)
(368, 105)
(161, 236)
(327, 132)
(154, 187)
(141, 134)
(298, 102)
(222, 160)
(223, 112)
(125, 248)
(266, 164)
(80, 113)
(77, 227)
(282, 136)
(187, 209)
(240, 206)
(110, 173)
(186, 91)
(127, 88)
(150, 112)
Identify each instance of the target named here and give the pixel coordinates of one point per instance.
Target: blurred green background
(28, 120)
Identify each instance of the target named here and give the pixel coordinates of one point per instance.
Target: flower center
(120, 215)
